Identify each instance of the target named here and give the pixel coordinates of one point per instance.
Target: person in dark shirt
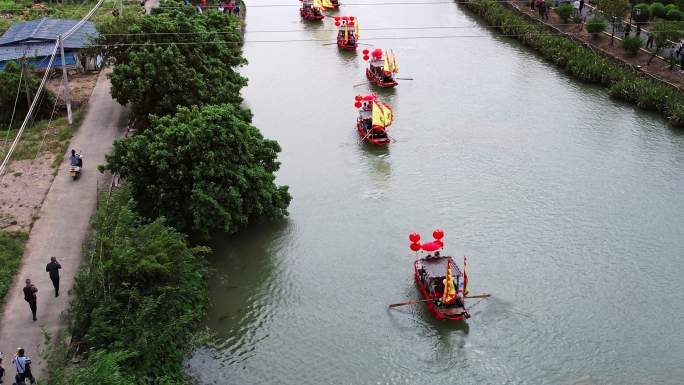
(53, 268)
(30, 297)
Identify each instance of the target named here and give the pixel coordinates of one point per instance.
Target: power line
(489, 35)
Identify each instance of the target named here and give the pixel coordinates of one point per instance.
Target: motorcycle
(75, 169)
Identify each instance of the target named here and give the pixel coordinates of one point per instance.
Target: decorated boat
(381, 67)
(348, 32)
(443, 286)
(311, 10)
(335, 3)
(374, 119)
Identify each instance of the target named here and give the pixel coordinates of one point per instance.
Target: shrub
(596, 25)
(565, 10)
(632, 44)
(137, 298)
(675, 14)
(670, 7)
(658, 10)
(642, 13)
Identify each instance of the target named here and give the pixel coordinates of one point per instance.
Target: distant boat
(348, 32)
(311, 10)
(443, 286)
(374, 119)
(381, 68)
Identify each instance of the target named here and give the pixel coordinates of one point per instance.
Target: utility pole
(25, 74)
(67, 99)
(121, 8)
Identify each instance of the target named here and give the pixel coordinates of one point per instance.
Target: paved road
(60, 231)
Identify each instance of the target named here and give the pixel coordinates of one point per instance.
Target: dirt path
(60, 231)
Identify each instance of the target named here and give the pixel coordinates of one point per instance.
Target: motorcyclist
(75, 159)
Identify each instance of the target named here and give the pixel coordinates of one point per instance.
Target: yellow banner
(449, 289)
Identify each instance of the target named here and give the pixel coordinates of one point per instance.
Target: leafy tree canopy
(174, 57)
(138, 298)
(204, 169)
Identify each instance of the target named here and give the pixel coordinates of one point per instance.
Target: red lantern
(365, 52)
(351, 23)
(351, 18)
(345, 18)
(337, 18)
(366, 57)
(414, 237)
(438, 234)
(357, 104)
(358, 98)
(337, 24)
(415, 246)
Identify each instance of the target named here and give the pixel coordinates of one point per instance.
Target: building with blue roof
(34, 40)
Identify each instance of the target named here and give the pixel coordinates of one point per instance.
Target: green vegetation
(596, 25)
(204, 169)
(565, 11)
(586, 65)
(11, 251)
(13, 79)
(156, 79)
(24, 10)
(614, 10)
(658, 10)
(632, 44)
(52, 136)
(137, 300)
(642, 13)
(675, 14)
(197, 165)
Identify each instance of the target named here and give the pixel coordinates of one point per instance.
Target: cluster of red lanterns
(358, 99)
(377, 54)
(348, 19)
(436, 244)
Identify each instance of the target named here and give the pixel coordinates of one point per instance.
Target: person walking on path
(30, 297)
(649, 41)
(53, 268)
(581, 7)
(23, 365)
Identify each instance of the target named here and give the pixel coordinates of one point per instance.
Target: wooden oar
(428, 300)
(410, 302)
(360, 84)
(367, 135)
(329, 43)
(404, 78)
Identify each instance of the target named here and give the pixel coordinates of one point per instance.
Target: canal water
(568, 205)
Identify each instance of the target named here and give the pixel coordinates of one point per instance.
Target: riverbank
(584, 64)
(142, 292)
(60, 230)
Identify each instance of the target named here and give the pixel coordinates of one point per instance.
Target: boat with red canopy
(441, 283)
(381, 67)
(348, 32)
(311, 10)
(374, 119)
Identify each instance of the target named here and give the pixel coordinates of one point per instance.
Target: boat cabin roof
(437, 267)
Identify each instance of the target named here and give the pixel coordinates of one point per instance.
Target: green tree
(191, 62)
(614, 11)
(138, 298)
(20, 87)
(204, 169)
(664, 33)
